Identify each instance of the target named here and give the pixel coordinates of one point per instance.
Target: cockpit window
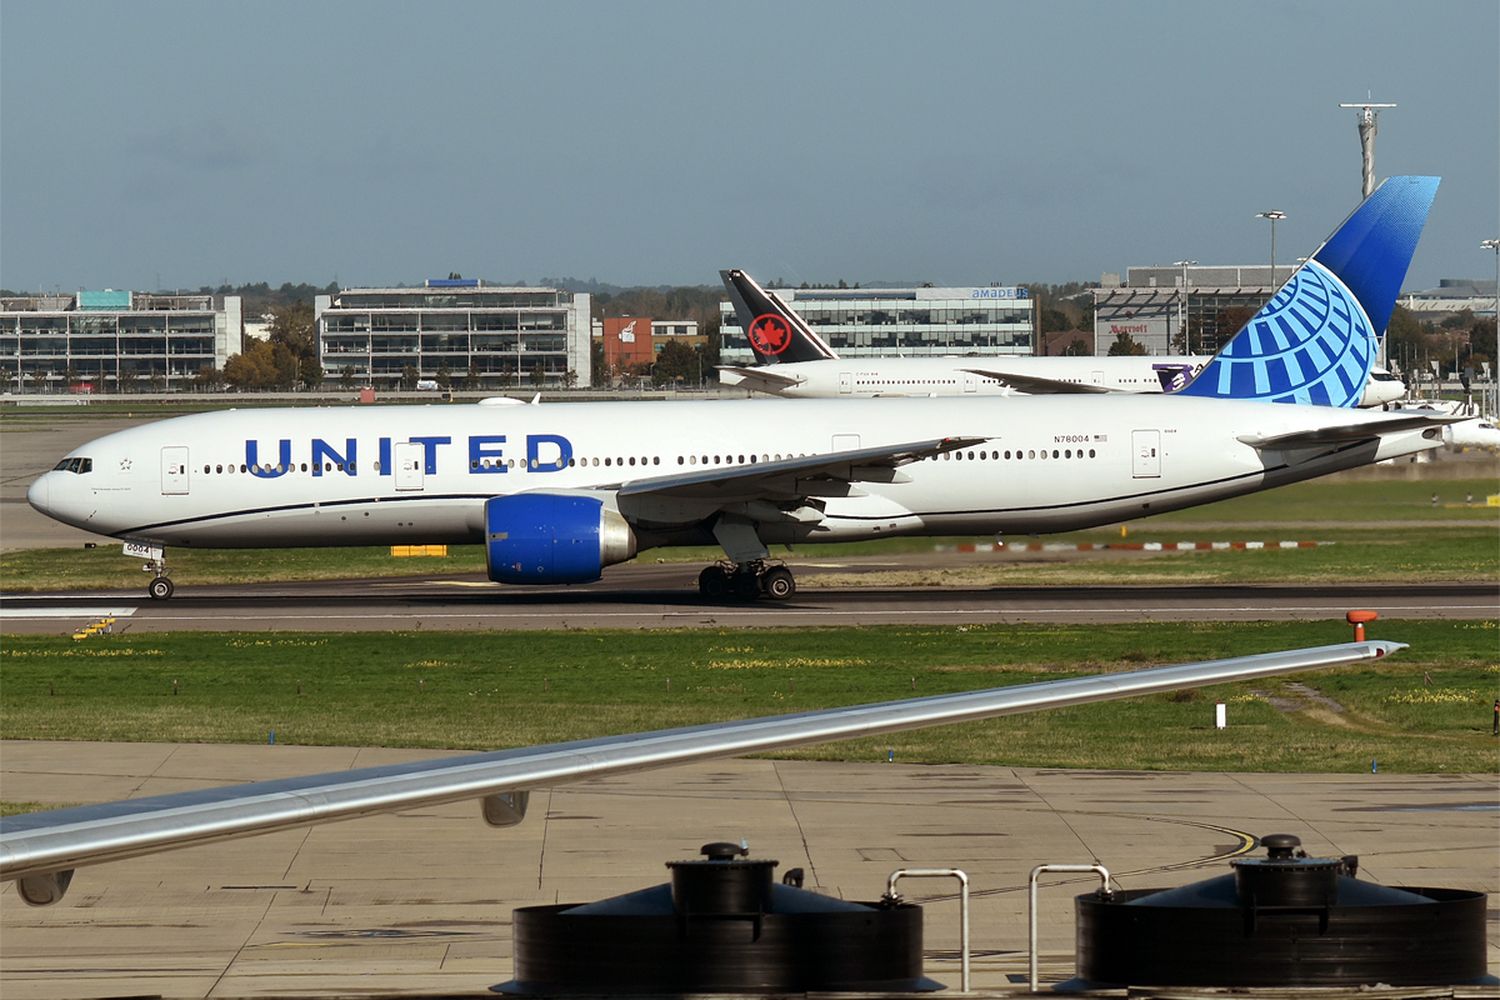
(79, 465)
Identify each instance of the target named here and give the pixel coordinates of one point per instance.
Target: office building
(112, 341)
(455, 331)
(911, 322)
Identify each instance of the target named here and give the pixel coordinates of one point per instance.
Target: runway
(664, 596)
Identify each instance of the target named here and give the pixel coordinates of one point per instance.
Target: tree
(409, 377)
(293, 335)
(286, 366)
(294, 326)
(208, 378)
(444, 377)
(1125, 344)
(538, 375)
(1482, 341)
(1077, 348)
(310, 374)
(597, 375)
(346, 377)
(677, 362)
(253, 368)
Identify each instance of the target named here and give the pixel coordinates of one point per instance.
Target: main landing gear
(747, 581)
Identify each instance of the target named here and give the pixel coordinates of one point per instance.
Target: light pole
(1274, 216)
(1187, 347)
(1495, 246)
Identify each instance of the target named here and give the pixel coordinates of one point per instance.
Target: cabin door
(174, 471)
(1145, 446)
(846, 383)
(408, 462)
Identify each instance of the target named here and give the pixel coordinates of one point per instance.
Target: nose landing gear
(160, 588)
(747, 581)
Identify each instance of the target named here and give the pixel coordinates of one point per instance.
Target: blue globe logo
(1312, 343)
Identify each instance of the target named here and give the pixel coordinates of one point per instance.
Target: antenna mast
(1368, 118)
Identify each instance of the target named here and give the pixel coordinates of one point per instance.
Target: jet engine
(553, 538)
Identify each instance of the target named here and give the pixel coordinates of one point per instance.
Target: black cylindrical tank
(722, 925)
(1283, 920)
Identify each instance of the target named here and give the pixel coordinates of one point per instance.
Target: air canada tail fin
(1316, 340)
(776, 333)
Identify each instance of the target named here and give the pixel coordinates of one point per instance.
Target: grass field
(1425, 710)
(1383, 530)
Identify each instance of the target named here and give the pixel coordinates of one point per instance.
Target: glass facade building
(911, 322)
(1171, 309)
(109, 340)
(490, 337)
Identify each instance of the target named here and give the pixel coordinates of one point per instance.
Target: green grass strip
(1426, 710)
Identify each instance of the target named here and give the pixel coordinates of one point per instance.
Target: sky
(156, 145)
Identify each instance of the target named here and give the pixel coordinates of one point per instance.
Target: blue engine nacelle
(552, 538)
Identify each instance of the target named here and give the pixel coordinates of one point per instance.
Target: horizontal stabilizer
(1362, 431)
(758, 379)
(1036, 385)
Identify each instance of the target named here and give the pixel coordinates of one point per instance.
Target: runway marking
(65, 611)
(780, 612)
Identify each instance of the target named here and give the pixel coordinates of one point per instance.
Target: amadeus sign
(999, 293)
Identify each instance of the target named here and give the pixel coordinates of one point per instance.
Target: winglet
(1316, 340)
(777, 335)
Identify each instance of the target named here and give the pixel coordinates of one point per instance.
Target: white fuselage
(848, 377)
(381, 475)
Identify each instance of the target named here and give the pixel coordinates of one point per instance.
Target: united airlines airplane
(557, 492)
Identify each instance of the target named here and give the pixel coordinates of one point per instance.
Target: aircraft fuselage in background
(959, 376)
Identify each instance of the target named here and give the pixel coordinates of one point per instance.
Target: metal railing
(963, 908)
(1036, 873)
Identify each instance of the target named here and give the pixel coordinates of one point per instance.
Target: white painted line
(782, 612)
(66, 612)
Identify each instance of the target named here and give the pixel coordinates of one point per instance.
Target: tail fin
(776, 333)
(1316, 340)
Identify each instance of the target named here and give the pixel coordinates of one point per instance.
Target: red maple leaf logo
(769, 334)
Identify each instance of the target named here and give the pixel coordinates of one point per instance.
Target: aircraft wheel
(713, 583)
(746, 586)
(160, 589)
(778, 583)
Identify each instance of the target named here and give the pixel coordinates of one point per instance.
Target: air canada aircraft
(41, 851)
(557, 492)
(793, 361)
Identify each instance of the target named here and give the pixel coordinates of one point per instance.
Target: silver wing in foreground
(41, 850)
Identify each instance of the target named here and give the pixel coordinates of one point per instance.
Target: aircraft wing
(761, 379)
(1036, 385)
(780, 477)
(41, 850)
(1364, 430)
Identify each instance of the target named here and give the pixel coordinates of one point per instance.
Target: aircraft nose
(39, 494)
